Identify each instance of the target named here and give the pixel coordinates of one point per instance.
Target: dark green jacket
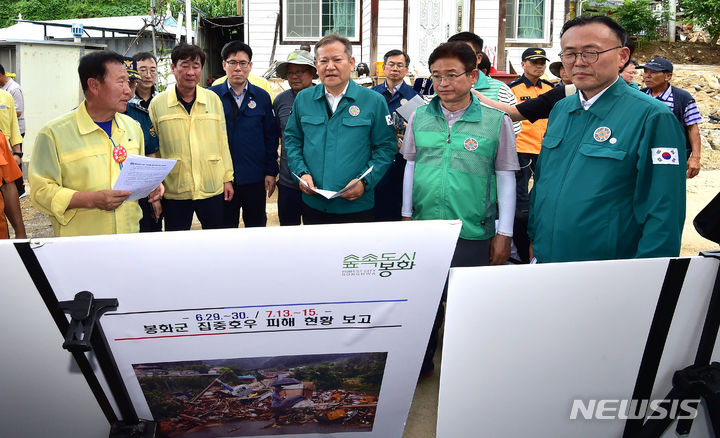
(336, 147)
(607, 183)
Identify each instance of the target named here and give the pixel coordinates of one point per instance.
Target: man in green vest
(461, 164)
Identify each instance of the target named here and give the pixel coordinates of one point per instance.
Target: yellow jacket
(8, 119)
(197, 141)
(73, 154)
(255, 80)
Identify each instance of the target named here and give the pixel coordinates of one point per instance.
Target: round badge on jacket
(471, 144)
(119, 153)
(602, 134)
(252, 104)
(354, 111)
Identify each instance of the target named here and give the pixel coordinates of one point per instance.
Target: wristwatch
(18, 154)
(364, 182)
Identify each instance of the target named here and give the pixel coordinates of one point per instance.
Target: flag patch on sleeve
(665, 156)
(388, 119)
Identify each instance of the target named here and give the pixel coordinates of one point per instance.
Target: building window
(528, 20)
(310, 20)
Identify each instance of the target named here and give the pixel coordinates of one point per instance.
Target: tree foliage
(704, 13)
(639, 18)
(63, 9)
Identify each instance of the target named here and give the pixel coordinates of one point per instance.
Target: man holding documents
(388, 193)
(336, 132)
(78, 156)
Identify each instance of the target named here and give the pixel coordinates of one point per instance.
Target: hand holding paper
(142, 175)
(329, 194)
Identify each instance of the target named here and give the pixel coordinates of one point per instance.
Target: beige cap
(298, 57)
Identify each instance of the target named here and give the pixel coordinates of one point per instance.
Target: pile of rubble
(217, 407)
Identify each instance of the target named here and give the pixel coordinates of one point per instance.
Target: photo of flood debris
(322, 393)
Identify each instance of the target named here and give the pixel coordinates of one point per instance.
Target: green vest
(488, 87)
(455, 172)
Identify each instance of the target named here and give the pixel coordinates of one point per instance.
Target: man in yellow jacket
(78, 157)
(190, 125)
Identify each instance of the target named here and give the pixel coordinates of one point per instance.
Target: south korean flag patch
(388, 120)
(665, 156)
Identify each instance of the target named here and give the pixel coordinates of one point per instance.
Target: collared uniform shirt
(610, 180)
(136, 109)
(336, 147)
(73, 154)
(253, 79)
(13, 88)
(692, 114)
(197, 140)
(8, 119)
(528, 141)
(401, 95)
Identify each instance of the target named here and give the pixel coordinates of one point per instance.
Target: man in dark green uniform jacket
(610, 180)
(336, 132)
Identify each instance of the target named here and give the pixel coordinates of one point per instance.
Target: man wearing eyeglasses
(657, 74)
(78, 157)
(388, 193)
(142, 83)
(461, 164)
(610, 179)
(252, 132)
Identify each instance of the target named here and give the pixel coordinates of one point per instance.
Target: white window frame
(546, 25)
(353, 38)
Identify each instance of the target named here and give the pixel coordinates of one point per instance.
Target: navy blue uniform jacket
(252, 132)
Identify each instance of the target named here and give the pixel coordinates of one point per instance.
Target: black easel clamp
(143, 429)
(84, 312)
(700, 381)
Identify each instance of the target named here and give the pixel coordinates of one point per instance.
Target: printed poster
(313, 331)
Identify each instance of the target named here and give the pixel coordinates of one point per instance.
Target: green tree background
(64, 9)
(705, 13)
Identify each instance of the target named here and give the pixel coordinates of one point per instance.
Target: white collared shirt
(587, 103)
(333, 101)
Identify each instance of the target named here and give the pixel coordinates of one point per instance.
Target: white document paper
(409, 108)
(141, 175)
(329, 194)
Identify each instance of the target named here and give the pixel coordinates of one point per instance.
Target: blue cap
(658, 64)
(131, 66)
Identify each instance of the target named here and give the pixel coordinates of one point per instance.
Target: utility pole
(152, 22)
(239, 7)
(671, 22)
(188, 22)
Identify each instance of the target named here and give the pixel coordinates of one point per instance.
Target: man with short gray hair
(337, 132)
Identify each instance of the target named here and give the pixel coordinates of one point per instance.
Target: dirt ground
(679, 52)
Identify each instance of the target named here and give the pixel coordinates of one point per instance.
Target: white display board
(208, 321)
(523, 343)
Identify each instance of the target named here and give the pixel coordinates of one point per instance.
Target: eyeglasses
(234, 63)
(392, 65)
(588, 56)
(437, 79)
